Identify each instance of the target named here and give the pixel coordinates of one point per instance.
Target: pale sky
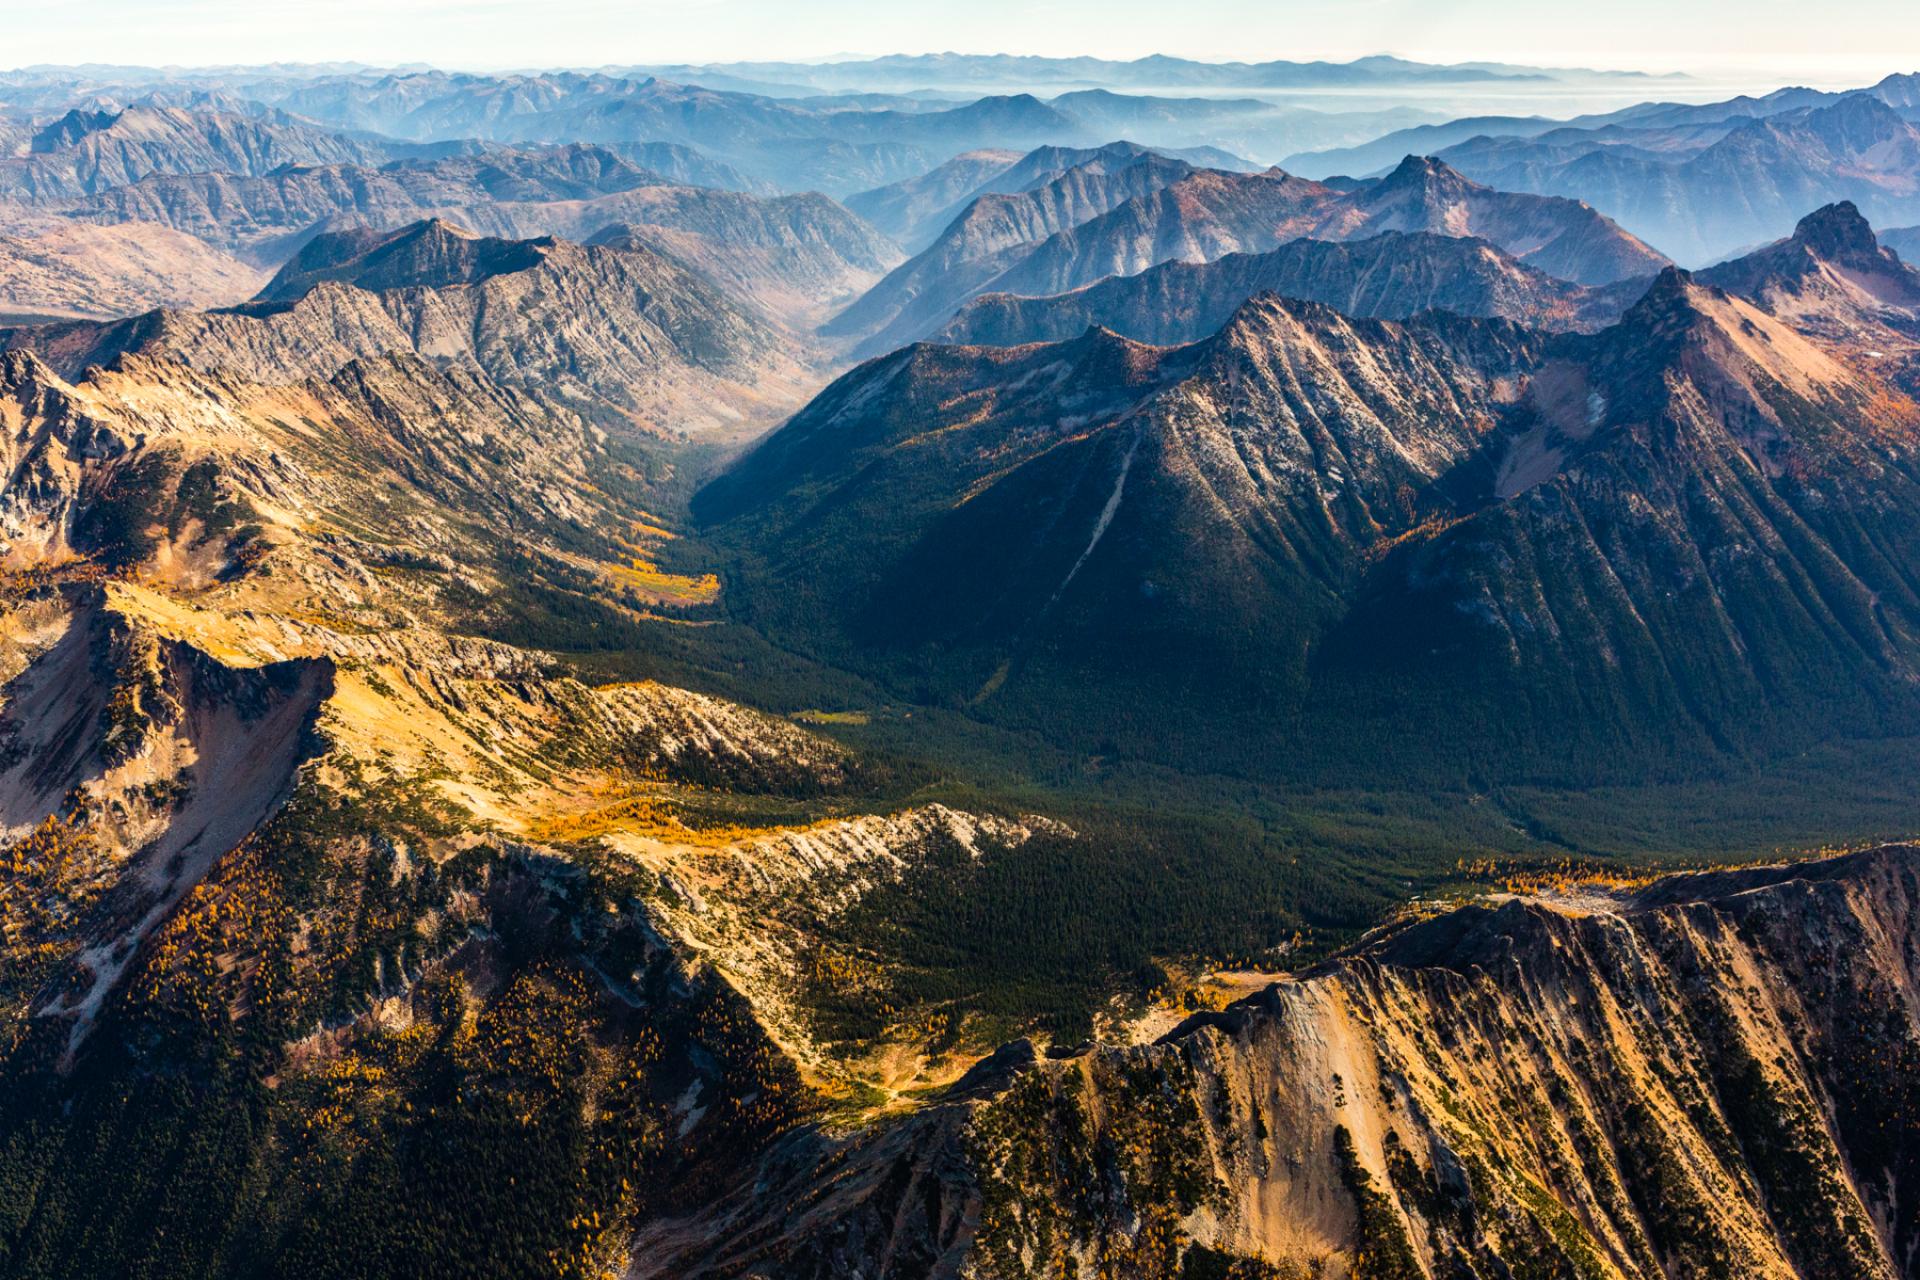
(1800, 40)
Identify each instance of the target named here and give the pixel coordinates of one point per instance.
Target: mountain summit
(432, 253)
(1838, 233)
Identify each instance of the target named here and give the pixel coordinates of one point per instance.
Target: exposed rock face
(1203, 215)
(1323, 505)
(1712, 1076)
(1834, 279)
(754, 908)
(589, 325)
(309, 856)
(188, 758)
(192, 476)
(1392, 276)
(1218, 213)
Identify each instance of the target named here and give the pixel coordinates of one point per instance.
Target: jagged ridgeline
(1710, 1076)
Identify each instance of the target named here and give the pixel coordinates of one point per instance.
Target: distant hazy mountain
(87, 152)
(918, 209)
(1702, 192)
(837, 142)
(950, 70)
(1904, 241)
(795, 145)
(1204, 214)
(793, 256)
(254, 212)
(1251, 127)
(1429, 139)
(689, 167)
(915, 210)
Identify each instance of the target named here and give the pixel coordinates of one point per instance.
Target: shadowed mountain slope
(1660, 536)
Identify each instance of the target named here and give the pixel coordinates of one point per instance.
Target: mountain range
(915, 211)
(949, 70)
(1705, 120)
(1065, 234)
(1714, 1070)
(789, 254)
(571, 705)
(1704, 195)
(838, 143)
(86, 152)
(589, 325)
(799, 139)
(1394, 276)
(1307, 519)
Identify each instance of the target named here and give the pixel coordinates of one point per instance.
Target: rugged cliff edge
(1715, 1075)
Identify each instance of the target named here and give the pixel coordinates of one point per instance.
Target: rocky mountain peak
(1257, 316)
(1669, 307)
(69, 129)
(1901, 89)
(1840, 234)
(20, 368)
(1101, 355)
(1424, 174)
(432, 253)
(1832, 277)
